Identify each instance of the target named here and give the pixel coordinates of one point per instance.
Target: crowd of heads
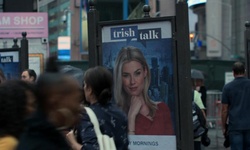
(16, 103)
(56, 92)
(59, 94)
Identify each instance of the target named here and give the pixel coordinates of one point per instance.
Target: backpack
(199, 121)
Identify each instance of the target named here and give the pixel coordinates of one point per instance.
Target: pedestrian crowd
(64, 108)
(49, 111)
(235, 110)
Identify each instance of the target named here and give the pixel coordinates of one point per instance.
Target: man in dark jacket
(236, 106)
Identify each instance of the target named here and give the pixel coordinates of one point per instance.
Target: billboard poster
(9, 63)
(139, 54)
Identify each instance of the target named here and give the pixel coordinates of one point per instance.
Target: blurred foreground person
(98, 84)
(2, 76)
(73, 72)
(29, 75)
(15, 97)
(59, 99)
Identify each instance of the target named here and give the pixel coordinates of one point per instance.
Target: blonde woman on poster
(132, 81)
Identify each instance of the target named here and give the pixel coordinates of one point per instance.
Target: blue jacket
(41, 135)
(113, 122)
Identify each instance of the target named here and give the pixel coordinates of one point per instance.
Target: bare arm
(71, 139)
(224, 115)
(134, 109)
(203, 112)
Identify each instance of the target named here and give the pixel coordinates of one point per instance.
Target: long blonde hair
(122, 98)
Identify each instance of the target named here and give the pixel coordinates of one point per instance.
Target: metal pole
(24, 52)
(125, 9)
(93, 18)
(80, 21)
(15, 43)
(184, 102)
(146, 10)
(247, 47)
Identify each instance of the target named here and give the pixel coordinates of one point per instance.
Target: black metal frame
(181, 62)
(186, 141)
(23, 52)
(93, 19)
(247, 48)
(174, 52)
(14, 50)
(127, 22)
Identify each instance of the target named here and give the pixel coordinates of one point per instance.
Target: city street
(217, 140)
(141, 65)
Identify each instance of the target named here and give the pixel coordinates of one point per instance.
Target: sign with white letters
(13, 24)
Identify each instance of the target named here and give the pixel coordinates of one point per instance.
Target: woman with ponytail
(98, 84)
(59, 98)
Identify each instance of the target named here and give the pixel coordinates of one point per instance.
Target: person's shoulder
(8, 143)
(197, 99)
(110, 108)
(247, 79)
(117, 109)
(227, 86)
(197, 95)
(230, 84)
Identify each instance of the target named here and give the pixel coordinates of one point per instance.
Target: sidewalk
(217, 140)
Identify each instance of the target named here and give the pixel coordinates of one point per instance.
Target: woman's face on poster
(133, 75)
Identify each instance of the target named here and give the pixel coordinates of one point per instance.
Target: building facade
(62, 17)
(219, 33)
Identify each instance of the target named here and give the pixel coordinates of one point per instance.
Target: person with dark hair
(58, 109)
(236, 108)
(2, 76)
(196, 98)
(31, 103)
(14, 96)
(98, 84)
(29, 75)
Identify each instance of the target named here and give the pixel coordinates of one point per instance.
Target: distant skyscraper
(220, 28)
